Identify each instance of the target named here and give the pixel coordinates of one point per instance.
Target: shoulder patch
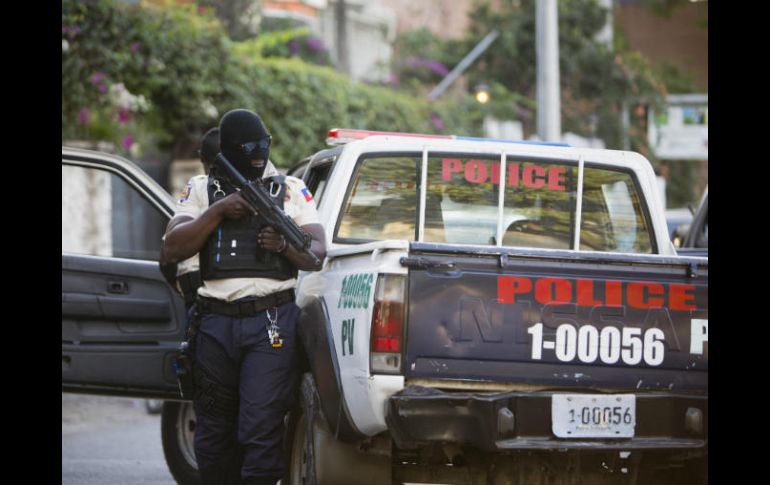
(307, 194)
(186, 192)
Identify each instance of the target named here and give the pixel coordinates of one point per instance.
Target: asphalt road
(110, 440)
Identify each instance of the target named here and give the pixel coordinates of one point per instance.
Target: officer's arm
(167, 269)
(186, 236)
(271, 240)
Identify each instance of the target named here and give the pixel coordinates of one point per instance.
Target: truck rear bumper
(497, 421)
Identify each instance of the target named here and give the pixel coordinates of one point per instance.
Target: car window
(103, 215)
(462, 204)
(316, 181)
(382, 203)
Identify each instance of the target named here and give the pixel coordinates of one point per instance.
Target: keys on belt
(273, 332)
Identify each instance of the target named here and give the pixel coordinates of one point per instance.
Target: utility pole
(341, 21)
(548, 90)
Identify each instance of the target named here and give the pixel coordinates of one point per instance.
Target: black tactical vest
(232, 250)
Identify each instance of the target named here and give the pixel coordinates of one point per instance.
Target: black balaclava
(239, 127)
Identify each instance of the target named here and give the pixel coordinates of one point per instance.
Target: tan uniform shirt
(298, 204)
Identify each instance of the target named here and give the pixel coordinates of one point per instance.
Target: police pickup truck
(488, 312)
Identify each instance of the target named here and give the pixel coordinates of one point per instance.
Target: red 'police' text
(635, 294)
(482, 171)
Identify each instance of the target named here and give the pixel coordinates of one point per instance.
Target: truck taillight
(386, 340)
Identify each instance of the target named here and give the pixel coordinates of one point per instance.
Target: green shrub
(181, 73)
(301, 102)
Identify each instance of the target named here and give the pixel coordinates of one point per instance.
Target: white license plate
(593, 415)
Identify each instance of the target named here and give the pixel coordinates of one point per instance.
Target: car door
(315, 171)
(121, 321)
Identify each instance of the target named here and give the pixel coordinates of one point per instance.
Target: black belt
(245, 307)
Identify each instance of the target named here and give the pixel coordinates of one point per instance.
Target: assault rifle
(256, 195)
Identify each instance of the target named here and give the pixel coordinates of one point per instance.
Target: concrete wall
(86, 208)
(681, 40)
(446, 18)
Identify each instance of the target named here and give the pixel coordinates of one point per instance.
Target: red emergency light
(339, 136)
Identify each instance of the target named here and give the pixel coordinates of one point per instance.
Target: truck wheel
(177, 425)
(316, 457)
(300, 448)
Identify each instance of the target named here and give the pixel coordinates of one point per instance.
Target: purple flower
(315, 44)
(127, 142)
(124, 116)
(70, 31)
(84, 116)
(435, 66)
(97, 77)
(102, 88)
(134, 46)
(294, 47)
(437, 121)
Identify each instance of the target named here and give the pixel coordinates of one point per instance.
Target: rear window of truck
(462, 204)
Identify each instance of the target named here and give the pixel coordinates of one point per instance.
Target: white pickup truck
(488, 312)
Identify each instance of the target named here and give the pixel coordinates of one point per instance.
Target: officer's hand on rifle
(271, 240)
(233, 206)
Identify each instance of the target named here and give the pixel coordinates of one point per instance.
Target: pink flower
(84, 116)
(134, 46)
(102, 88)
(127, 142)
(97, 77)
(437, 122)
(124, 116)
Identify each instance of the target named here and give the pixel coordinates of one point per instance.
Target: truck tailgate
(557, 319)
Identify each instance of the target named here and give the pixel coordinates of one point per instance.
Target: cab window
(103, 215)
(462, 201)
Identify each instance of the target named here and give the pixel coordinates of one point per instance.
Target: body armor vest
(232, 250)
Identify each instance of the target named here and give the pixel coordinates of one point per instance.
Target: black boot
(225, 473)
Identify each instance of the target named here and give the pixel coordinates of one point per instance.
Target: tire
(177, 424)
(316, 457)
(300, 469)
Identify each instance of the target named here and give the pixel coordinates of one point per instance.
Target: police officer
(185, 277)
(246, 364)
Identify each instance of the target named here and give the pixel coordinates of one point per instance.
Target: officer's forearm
(185, 238)
(317, 245)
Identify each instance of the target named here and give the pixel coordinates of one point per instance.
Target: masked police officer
(245, 354)
(185, 277)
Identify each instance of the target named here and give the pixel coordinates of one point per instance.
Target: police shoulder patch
(186, 192)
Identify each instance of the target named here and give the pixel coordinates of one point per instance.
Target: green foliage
(424, 57)
(664, 8)
(239, 17)
(676, 80)
(596, 79)
(301, 102)
(173, 57)
(181, 74)
(298, 42)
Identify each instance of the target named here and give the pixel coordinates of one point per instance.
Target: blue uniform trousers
(235, 353)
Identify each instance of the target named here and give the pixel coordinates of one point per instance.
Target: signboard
(682, 131)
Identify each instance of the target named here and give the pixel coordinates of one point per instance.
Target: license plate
(593, 415)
